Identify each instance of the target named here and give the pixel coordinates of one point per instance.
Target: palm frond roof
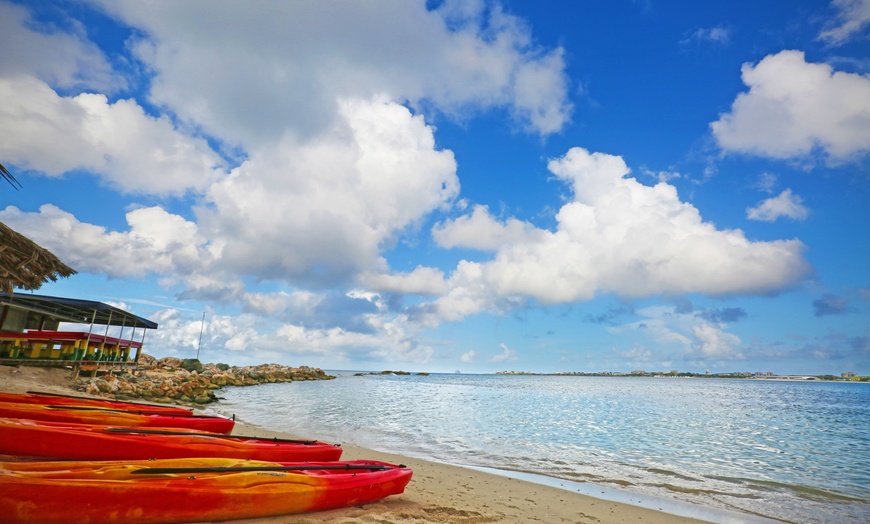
(26, 265)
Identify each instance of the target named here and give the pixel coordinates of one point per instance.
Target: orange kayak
(187, 490)
(56, 399)
(55, 441)
(115, 417)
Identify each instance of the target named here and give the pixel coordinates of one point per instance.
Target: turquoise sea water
(791, 451)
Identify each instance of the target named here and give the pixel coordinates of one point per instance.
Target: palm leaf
(9, 177)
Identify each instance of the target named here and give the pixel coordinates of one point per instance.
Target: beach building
(29, 323)
(29, 333)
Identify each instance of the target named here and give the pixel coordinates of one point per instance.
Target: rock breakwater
(173, 380)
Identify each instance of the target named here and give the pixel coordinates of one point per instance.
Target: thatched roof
(25, 265)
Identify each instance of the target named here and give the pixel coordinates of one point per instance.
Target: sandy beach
(438, 493)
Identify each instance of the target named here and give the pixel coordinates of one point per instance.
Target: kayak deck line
(244, 469)
(214, 435)
(133, 411)
(99, 399)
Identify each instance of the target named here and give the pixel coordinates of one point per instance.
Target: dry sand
(438, 493)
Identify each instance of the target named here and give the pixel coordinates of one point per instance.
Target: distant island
(847, 376)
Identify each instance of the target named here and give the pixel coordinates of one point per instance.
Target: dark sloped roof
(26, 265)
(76, 310)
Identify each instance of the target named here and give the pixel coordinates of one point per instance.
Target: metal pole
(103, 343)
(201, 326)
(88, 341)
(141, 345)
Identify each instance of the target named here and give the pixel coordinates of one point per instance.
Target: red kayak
(54, 441)
(114, 417)
(187, 490)
(56, 399)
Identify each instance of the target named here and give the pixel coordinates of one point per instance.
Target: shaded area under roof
(76, 310)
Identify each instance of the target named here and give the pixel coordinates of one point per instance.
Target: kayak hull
(53, 441)
(108, 417)
(110, 492)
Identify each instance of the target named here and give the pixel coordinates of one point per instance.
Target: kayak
(56, 441)
(187, 490)
(115, 417)
(56, 399)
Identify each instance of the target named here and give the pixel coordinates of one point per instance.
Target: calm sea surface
(792, 451)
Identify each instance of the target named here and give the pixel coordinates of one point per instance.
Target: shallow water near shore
(793, 451)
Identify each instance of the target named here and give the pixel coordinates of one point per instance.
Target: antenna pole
(201, 326)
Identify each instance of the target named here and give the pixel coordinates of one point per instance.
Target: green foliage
(221, 366)
(191, 364)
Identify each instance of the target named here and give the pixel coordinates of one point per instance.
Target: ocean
(718, 449)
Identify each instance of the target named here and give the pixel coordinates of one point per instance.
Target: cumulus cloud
(118, 141)
(852, 17)
(157, 242)
(619, 236)
(664, 333)
(787, 204)
(214, 64)
(420, 281)
(322, 210)
(60, 59)
(480, 230)
(251, 338)
(794, 108)
(712, 343)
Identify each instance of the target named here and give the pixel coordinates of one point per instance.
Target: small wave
(669, 473)
(699, 491)
(805, 492)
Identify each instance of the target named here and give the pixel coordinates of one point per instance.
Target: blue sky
(440, 186)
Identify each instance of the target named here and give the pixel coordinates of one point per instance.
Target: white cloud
(787, 204)
(794, 108)
(215, 65)
(254, 339)
(157, 242)
(852, 17)
(468, 356)
(422, 280)
(661, 176)
(661, 326)
(766, 182)
(278, 303)
(481, 231)
(507, 354)
(712, 343)
(663, 333)
(60, 59)
(619, 236)
(323, 209)
(717, 35)
(117, 141)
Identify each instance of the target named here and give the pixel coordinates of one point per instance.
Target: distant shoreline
(672, 374)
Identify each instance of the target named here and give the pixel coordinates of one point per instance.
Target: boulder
(169, 363)
(171, 379)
